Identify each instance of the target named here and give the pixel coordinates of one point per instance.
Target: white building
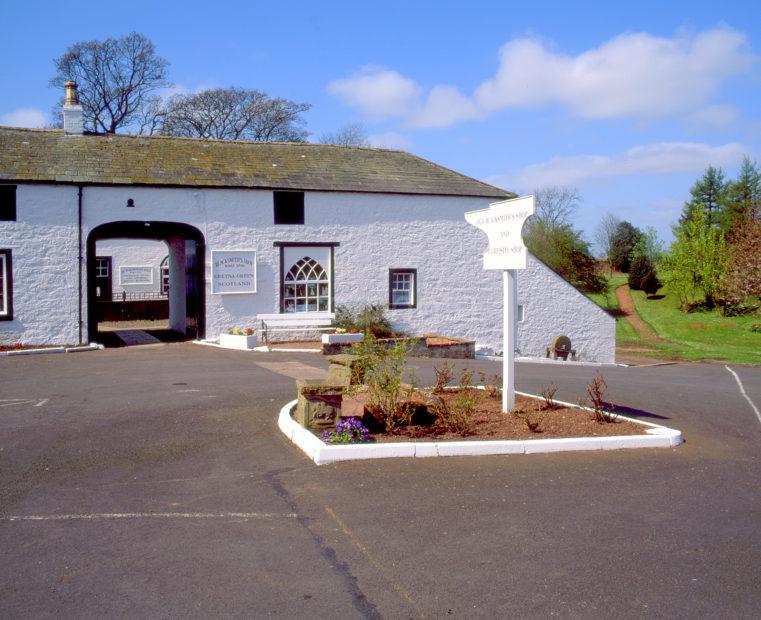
(317, 226)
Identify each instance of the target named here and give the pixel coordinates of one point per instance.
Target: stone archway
(186, 257)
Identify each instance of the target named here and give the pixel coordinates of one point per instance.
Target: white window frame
(412, 273)
(6, 307)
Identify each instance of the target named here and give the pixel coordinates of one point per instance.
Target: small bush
(457, 416)
(548, 394)
(350, 430)
(596, 400)
(492, 384)
(640, 267)
(466, 378)
(756, 328)
(444, 374)
(369, 319)
(650, 283)
(532, 419)
(742, 308)
(383, 372)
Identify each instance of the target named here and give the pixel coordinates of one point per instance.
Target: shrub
(638, 270)
(444, 374)
(350, 430)
(466, 378)
(492, 384)
(388, 397)
(548, 394)
(457, 416)
(596, 400)
(756, 328)
(650, 283)
(370, 319)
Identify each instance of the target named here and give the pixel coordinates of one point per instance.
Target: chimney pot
(73, 121)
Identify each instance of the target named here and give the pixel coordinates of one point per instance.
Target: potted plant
(238, 338)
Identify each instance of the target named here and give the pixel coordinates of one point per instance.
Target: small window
(289, 207)
(6, 286)
(402, 288)
(8, 203)
(520, 313)
(102, 267)
(164, 270)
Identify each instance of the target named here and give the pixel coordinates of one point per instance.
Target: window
(289, 207)
(102, 267)
(164, 271)
(8, 203)
(402, 288)
(6, 286)
(306, 287)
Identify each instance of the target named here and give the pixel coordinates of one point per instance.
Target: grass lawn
(700, 335)
(693, 336)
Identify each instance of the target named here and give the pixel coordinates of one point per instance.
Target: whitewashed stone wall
(133, 252)
(455, 296)
(43, 241)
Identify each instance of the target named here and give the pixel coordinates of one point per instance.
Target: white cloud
(25, 117)
(390, 140)
(379, 93)
(633, 75)
(649, 159)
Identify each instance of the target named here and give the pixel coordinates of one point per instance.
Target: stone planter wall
(235, 341)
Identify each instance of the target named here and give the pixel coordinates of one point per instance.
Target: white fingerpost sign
(502, 222)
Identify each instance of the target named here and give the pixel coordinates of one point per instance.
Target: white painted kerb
(321, 453)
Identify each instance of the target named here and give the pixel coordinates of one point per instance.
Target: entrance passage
(145, 283)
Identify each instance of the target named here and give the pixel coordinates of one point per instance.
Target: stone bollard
(319, 404)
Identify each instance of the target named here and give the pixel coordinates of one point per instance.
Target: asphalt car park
(153, 482)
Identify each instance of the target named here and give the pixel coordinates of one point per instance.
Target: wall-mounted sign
(132, 275)
(502, 222)
(233, 272)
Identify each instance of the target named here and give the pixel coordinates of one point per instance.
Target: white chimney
(73, 123)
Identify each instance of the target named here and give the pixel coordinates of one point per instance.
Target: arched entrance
(185, 278)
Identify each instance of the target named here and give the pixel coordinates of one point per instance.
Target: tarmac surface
(153, 482)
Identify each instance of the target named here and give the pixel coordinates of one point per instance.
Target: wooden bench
(294, 321)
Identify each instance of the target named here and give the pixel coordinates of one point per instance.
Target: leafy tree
(695, 262)
(743, 196)
(604, 235)
(233, 114)
(623, 242)
(117, 80)
(353, 134)
(742, 278)
(562, 249)
(708, 196)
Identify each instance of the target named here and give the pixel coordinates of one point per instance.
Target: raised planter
(342, 338)
(236, 341)
(656, 436)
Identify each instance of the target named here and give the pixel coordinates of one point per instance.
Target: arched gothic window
(164, 270)
(306, 287)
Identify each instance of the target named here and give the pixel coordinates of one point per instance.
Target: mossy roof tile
(50, 155)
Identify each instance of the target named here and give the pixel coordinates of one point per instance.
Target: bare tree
(116, 79)
(233, 114)
(555, 205)
(353, 134)
(605, 233)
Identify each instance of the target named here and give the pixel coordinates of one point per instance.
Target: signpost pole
(508, 354)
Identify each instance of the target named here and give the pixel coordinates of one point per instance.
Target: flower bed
(238, 338)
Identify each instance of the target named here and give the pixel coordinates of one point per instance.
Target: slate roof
(40, 155)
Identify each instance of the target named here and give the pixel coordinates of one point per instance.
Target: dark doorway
(103, 275)
(184, 270)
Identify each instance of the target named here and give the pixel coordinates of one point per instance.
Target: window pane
(400, 297)
(323, 290)
(323, 305)
(3, 309)
(312, 290)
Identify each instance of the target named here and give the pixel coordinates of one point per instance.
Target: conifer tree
(708, 197)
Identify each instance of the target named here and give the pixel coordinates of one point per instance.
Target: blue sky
(626, 101)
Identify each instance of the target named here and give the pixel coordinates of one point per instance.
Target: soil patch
(489, 423)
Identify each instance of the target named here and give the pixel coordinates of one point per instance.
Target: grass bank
(704, 335)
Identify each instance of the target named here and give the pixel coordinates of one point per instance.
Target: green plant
(466, 378)
(349, 430)
(548, 394)
(650, 283)
(444, 374)
(756, 328)
(492, 384)
(369, 319)
(596, 400)
(383, 371)
(457, 416)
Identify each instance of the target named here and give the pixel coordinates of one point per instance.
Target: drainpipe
(79, 241)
